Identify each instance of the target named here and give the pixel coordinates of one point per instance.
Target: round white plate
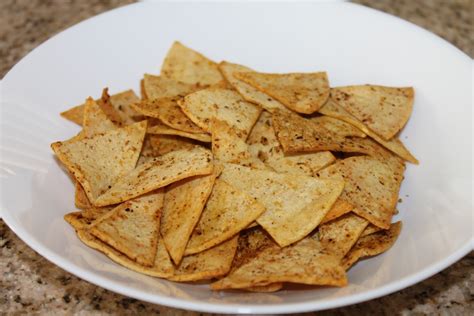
(354, 44)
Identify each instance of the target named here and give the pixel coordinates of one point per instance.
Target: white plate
(353, 43)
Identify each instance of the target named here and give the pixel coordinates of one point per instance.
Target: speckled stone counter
(30, 284)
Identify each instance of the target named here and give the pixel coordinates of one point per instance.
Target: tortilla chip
(264, 145)
(339, 235)
(158, 173)
(94, 119)
(98, 162)
(300, 92)
(384, 110)
(372, 245)
(188, 66)
(162, 266)
(227, 212)
(372, 186)
(74, 114)
(167, 111)
(248, 92)
(371, 229)
(83, 219)
(332, 109)
(339, 208)
(295, 204)
(133, 227)
(159, 128)
(223, 105)
(122, 103)
(142, 90)
(212, 263)
(80, 198)
(270, 288)
(304, 262)
(159, 87)
(184, 202)
(169, 143)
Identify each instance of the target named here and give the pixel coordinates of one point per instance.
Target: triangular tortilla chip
(339, 208)
(159, 128)
(372, 244)
(385, 110)
(162, 266)
(169, 143)
(223, 105)
(212, 263)
(248, 92)
(372, 186)
(264, 145)
(80, 198)
(94, 120)
(188, 66)
(300, 92)
(74, 114)
(133, 227)
(83, 219)
(370, 230)
(184, 202)
(295, 204)
(167, 111)
(98, 162)
(158, 87)
(394, 145)
(304, 262)
(158, 173)
(339, 235)
(227, 212)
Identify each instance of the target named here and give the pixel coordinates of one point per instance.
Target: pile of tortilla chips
(249, 180)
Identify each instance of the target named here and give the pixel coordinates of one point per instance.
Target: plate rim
(217, 307)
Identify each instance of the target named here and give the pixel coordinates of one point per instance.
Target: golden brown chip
(339, 235)
(370, 185)
(97, 162)
(169, 143)
(158, 173)
(74, 114)
(248, 92)
(82, 219)
(94, 120)
(223, 105)
(167, 111)
(184, 202)
(162, 266)
(304, 262)
(80, 198)
(122, 103)
(159, 87)
(332, 109)
(295, 204)
(370, 230)
(372, 244)
(159, 128)
(227, 212)
(188, 66)
(300, 92)
(273, 287)
(264, 145)
(385, 110)
(212, 263)
(339, 208)
(133, 227)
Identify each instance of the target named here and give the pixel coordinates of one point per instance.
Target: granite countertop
(31, 284)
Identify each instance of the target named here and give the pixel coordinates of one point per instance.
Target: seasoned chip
(82, 219)
(394, 145)
(133, 227)
(264, 145)
(295, 204)
(300, 92)
(372, 244)
(304, 262)
(370, 230)
(162, 266)
(188, 66)
(158, 87)
(212, 263)
(122, 102)
(339, 235)
(80, 198)
(339, 208)
(248, 92)
(227, 212)
(272, 287)
(98, 162)
(169, 143)
(167, 111)
(94, 120)
(74, 114)
(159, 128)
(223, 105)
(184, 202)
(158, 173)
(385, 110)
(371, 186)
